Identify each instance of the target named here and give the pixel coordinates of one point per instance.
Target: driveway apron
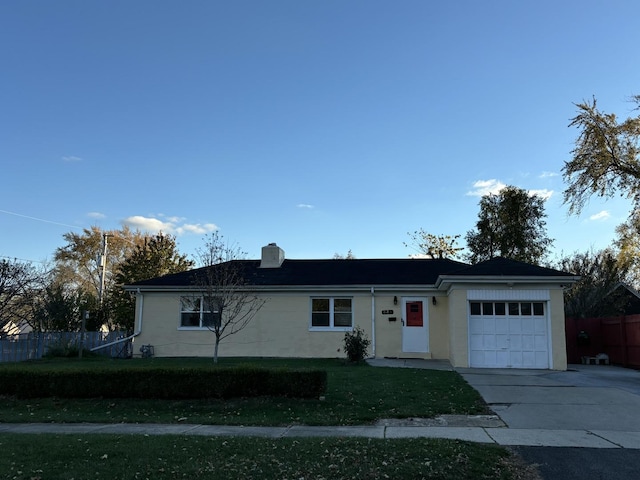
(586, 397)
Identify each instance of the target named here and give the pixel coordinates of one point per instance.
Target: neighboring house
(499, 313)
(628, 298)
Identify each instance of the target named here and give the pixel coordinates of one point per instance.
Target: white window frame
(331, 327)
(201, 313)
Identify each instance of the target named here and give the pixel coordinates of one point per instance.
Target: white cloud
(543, 193)
(172, 219)
(603, 215)
(71, 158)
(196, 228)
(493, 187)
(548, 174)
(173, 226)
(97, 215)
(486, 187)
(152, 225)
(304, 205)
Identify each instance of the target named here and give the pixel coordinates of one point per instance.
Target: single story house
(498, 313)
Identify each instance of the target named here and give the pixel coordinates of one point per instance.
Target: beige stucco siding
(558, 338)
(458, 328)
(280, 329)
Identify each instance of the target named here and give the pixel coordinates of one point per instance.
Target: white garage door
(508, 334)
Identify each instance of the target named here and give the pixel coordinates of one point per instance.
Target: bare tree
(20, 284)
(230, 304)
(435, 246)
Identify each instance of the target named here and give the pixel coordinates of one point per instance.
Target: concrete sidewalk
(496, 435)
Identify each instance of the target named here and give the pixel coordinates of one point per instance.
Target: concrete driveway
(586, 397)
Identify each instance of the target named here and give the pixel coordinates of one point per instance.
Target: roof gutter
(287, 288)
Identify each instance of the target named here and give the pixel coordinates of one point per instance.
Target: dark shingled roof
(506, 267)
(360, 272)
(330, 272)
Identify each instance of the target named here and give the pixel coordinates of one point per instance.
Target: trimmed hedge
(163, 383)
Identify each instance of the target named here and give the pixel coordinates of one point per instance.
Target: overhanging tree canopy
(606, 158)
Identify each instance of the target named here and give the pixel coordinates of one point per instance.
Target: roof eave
(445, 281)
(282, 288)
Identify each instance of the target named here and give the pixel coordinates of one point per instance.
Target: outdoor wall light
(433, 300)
(395, 300)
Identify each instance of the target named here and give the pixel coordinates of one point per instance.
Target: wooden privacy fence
(618, 337)
(35, 345)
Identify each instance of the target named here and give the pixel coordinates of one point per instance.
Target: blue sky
(323, 125)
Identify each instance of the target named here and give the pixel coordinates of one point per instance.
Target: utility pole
(103, 266)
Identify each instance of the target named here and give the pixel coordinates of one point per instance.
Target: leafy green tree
(510, 224)
(157, 256)
(435, 246)
(222, 283)
(593, 295)
(606, 157)
(60, 310)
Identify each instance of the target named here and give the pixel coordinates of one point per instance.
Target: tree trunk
(215, 350)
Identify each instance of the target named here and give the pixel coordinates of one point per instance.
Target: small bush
(356, 345)
(67, 351)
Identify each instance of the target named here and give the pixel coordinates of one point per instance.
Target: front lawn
(356, 394)
(54, 457)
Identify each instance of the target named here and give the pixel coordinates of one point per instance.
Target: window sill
(193, 329)
(330, 329)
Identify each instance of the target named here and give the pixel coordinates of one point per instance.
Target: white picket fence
(35, 345)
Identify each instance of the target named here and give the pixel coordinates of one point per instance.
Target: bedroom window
(331, 313)
(195, 312)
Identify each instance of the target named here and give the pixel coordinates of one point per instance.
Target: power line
(24, 259)
(38, 219)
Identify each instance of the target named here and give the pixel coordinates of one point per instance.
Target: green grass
(51, 457)
(356, 394)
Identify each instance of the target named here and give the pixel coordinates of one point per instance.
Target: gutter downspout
(140, 297)
(373, 322)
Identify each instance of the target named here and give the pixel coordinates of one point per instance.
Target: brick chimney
(272, 256)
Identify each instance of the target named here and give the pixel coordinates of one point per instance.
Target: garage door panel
(476, 342)
(528, 342)
(540, 343)
(540, 325)
(502, 356)
(488, 325)
(475, 326)
(542, 358)
(502, 342)
(489, 342)
(515, 325)
(502, 325)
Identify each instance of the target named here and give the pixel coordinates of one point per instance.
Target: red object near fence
(618, 337)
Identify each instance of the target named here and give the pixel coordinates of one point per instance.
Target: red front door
(414, 314)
